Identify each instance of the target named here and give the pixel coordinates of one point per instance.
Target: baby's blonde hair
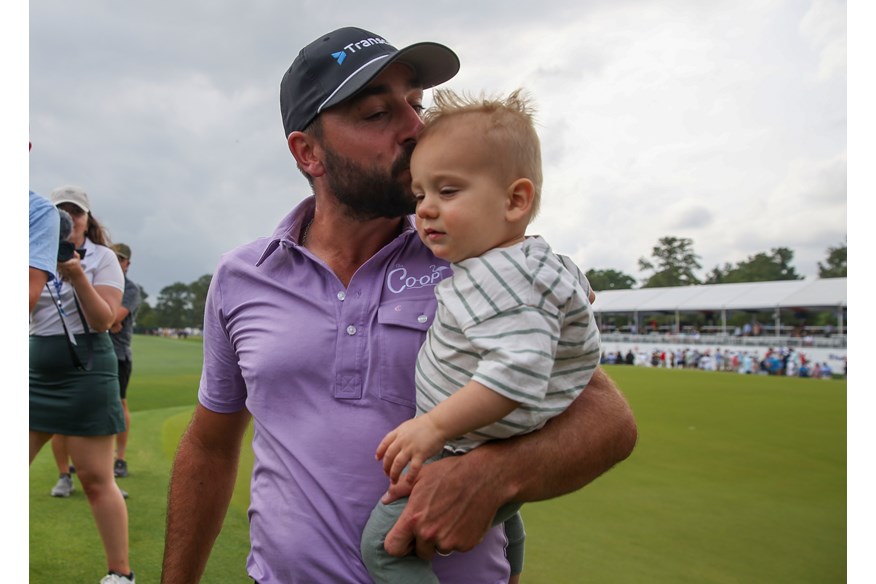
(509, 129)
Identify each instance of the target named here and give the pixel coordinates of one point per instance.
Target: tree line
(673, 262)
(178, 306)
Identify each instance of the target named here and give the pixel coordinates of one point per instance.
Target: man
(313, 334)
(44, 234)
(120, 332)
(44, 226)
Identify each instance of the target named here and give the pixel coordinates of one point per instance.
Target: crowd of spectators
(774, 361)
(177, 333)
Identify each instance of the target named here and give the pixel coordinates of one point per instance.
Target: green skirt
(66, 400)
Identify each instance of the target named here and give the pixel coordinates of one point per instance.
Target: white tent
(825, 294)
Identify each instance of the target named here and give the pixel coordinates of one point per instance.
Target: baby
(514, 339)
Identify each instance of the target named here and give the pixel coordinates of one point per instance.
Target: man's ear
(521, 194)
(304, 149)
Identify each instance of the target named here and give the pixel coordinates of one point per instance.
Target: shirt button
(351, 330)
(342, 295)
(422, 318)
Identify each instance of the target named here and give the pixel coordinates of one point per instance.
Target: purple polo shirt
(326, 372)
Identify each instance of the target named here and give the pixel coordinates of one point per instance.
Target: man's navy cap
(337, 65)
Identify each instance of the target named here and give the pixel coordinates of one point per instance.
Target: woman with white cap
(74, 387)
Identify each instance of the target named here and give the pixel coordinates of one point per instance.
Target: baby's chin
(437, 251)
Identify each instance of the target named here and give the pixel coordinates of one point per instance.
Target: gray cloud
(709, 118)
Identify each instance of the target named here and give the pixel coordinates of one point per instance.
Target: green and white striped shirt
(517, 320)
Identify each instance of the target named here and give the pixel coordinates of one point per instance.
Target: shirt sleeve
(222, 388)
(131, 299)
(43, 234)
(108, 272)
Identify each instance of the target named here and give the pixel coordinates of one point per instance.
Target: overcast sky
(719, 121)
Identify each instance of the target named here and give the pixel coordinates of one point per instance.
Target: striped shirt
(517, 320)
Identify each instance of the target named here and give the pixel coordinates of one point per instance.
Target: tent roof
(826, 293)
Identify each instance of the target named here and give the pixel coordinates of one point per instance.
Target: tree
(676, 262)
(835, 266)
(147, 318)
(717, 275)
(174, 306)
(180, 305)
(761, 267)
(199, 299)
(610, 280)
(145, 314)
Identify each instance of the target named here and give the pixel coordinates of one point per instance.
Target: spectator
(43, 233)
(826, 371)
(121, 332)
(74, 389)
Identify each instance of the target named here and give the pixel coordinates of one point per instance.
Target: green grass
(735, 479)
(161, 396)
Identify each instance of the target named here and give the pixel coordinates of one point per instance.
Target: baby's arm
(473, 406)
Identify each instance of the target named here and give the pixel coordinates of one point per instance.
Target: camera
(65, 248)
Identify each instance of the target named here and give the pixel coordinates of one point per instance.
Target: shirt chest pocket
(402, 329)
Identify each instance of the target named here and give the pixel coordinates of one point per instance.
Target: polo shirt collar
(296, 221)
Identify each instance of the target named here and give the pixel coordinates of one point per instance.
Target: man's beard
(369, 193)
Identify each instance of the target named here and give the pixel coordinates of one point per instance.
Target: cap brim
(432, 62)
(77, 203)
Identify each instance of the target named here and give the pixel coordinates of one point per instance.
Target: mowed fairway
(735, 479)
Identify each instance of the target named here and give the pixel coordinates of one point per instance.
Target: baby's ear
(521, 194)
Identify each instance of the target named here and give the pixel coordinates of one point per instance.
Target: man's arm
(38, 279)
(454, 500)
(201, 485)
(121, 313)
(130, 303)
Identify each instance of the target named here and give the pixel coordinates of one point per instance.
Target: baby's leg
(383, 567)
(516, 535)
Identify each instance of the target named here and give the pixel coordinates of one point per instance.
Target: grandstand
(782, 300)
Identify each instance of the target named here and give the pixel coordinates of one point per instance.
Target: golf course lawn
(735, 479)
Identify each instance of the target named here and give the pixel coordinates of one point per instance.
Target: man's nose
(411, 124)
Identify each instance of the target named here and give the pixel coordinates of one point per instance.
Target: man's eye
(375, 115)
(418, 107)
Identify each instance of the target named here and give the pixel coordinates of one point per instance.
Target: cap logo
(359, 45)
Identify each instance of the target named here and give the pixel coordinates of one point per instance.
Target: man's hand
(412, 442)
(453, 501)
(448, 510)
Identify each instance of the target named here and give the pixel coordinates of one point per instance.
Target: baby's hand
(411, 443)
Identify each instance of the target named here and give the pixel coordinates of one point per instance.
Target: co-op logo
(353, 47)
(398, 280)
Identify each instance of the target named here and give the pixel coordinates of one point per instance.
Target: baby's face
(461, 202)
